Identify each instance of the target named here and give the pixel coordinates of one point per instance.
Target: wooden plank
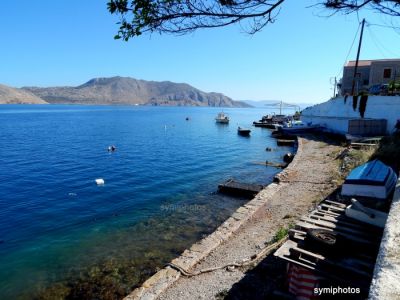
(331, 225)
(342, 205)
(317, 256)
(331, 213)
(340, 263)
(332, 207)
(297, 234)
(298, 263)
(345, 234)
(338, 221)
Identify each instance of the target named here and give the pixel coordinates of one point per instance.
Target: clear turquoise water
(57, 226)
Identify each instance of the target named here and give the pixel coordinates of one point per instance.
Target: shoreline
(166, 277)
(310, 177)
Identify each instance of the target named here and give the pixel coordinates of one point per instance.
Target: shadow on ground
(260, 282)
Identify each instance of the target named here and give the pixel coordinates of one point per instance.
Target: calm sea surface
(61, 234)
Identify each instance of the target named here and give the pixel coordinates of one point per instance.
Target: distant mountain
(260, 103)
(9, 95)
(125, 90)
(268, 103)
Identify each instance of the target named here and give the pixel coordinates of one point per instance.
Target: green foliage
(389, 151)
(280, 234)
(394, 86)
(180, 17)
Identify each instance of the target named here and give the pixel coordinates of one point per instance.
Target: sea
(62, 236)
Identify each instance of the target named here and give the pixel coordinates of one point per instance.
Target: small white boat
(298, 127)
(373, 179)
(222, 118)
(364, 214)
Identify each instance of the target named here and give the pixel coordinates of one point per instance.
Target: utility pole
(358, 56)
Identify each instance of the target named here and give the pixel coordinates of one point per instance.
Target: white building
(338, 113)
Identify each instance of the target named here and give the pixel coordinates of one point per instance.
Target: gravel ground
(312, 179)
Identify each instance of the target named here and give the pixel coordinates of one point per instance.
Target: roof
(366, 63)
(374, 172)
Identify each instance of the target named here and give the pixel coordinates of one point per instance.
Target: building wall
(336, 113)
(377, 68)
(362, 82)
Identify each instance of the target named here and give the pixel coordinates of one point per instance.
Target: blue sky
(68, 42)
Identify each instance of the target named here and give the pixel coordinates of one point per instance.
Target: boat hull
(373, 179)
(293, 130)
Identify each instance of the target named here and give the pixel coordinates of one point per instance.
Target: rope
(351, 47)
(265, 251)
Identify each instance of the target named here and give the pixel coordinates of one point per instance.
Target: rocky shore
(309, 178)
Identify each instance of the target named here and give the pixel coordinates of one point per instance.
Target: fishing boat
(222, 118)
(244, 131)
(270, 121)
(373, 179)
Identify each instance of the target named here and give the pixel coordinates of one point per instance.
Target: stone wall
(385, 283)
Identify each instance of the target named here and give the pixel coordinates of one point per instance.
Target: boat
(373, 179)
(272, 121)
(222, 118)
(364, 214)
(266, 125)
(243, 131)
(298, 127)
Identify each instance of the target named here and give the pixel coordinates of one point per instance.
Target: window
(387, 73)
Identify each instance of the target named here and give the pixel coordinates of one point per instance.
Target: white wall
(334, 114)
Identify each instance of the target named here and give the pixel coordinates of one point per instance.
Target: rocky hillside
(125, 90)
(9, 95)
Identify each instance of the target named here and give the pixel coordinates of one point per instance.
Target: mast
(358, 56)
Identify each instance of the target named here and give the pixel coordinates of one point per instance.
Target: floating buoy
(99, 181)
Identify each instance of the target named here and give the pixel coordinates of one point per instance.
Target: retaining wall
(385, 283)
(336, 113)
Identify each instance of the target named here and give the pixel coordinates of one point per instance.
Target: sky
(68, 42)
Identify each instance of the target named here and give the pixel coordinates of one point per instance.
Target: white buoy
(99, 181)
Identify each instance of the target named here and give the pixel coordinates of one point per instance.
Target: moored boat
(298, 127)
(266, 125)
(222, 118)
(243, 131)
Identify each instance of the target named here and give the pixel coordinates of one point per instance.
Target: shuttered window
(387, 73)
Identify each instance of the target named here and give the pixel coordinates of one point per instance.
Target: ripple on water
(64, 235)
